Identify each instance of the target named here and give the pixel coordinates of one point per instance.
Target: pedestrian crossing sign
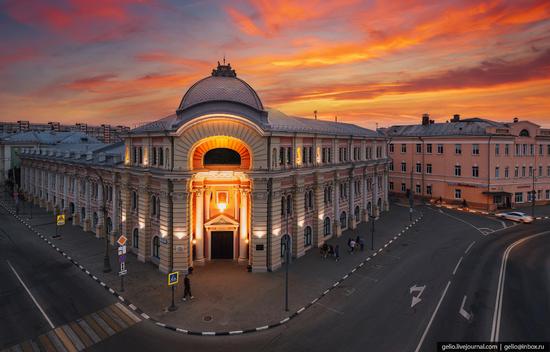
(61, 220)
(173, 278)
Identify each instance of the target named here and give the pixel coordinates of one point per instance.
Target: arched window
(95, 219)
(109, 226)
(357, 213)
(283, 246)
(222, 156)
(83, 213)
(307, 236)
(283, 203)
(524, 133)
(158, 207)
(326, 226)
(134, 200)
(135, 238)
(274, 158)
(289, 205)
(153, 205)
(343, 220)
(379, 206)
(167, 157)
(310, 204)
(161, 156)
(369, 208)
(156, 247)
(71, 208)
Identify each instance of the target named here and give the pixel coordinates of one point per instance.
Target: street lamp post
(286, 238)
(172, 306)
(372, 217)
(106, 259)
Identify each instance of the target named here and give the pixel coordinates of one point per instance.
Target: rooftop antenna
(315, 114)
(377, 125)
(224, 59)
(335, 118)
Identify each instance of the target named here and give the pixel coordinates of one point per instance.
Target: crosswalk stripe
(95, 326)
(56, 341)
(122, 315)
(89, 331)
(128, 312)
(73, 337)
(115, 317)
(65, 339)
(103, 324)
(107, 319)
(46, 343)
(86, 340)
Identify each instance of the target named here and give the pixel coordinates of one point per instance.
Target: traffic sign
(122, 240)
(173, 278)
(61, 220)
(121, 250)
(122, 258)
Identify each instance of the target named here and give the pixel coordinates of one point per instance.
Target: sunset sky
(368, 62)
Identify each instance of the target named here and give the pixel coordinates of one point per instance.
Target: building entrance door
(222, 245)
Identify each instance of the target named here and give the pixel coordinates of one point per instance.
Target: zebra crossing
(81, 333)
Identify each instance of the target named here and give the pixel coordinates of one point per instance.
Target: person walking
(337, 252)
(186, 288)
(352, 246)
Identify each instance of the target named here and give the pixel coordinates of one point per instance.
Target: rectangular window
(429, 148)
(548, 171)
(518, 149)
(523, 171)
(391, 186)
(548, 149)
(507, 149)
(403, 187)
(458, 194)
(418, 167)
(391, 147)
(497, 149)
(458, 170)
(541, 149)
(519, 197)
(475, 171)
(418, 189)
(497, 172)
(281, 156)
(530, 171)
(532, 149)
(418, 148)
(403, 148)
(428, 168)
(540, 171)
(440, 149)
(475, 149)
(458, 148)
(403, 167)
(506, 172)
(289, 155)
(391, 166)
(516, 171)
(429, 189)
(547, 193)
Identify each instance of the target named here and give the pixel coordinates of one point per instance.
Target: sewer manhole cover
(207, 318)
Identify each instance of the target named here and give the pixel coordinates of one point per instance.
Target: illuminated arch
(205, 145)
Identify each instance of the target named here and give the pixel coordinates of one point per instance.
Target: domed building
(225, 178)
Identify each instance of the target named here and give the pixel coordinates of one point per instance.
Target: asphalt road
(60, 290)
(450, 263)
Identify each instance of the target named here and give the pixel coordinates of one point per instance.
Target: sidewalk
(227, 297)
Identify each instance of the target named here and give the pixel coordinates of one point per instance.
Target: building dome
(222, 86)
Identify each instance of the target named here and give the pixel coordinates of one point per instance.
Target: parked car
(515, 216)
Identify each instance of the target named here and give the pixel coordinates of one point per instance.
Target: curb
(209, 333)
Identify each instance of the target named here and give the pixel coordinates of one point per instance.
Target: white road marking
(495, 330)
(469, 247)
(457, 265)
(463, 221)
(463, 312)
(30, 294)
(432, 318)
(416, 299)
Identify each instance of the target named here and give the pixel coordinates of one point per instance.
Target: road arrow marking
(463, 312)
(416, 299)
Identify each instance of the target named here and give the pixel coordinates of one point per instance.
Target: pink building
(482, 163)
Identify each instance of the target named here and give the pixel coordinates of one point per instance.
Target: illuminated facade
(225, 178)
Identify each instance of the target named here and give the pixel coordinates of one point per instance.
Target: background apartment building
(477, 162)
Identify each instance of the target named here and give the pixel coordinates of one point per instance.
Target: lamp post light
(372, 217)
(286, 239)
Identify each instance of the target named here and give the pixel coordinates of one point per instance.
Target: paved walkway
(227, 297)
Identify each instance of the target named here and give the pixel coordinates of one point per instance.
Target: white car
(516, 216)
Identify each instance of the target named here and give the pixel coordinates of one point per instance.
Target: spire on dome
(224, 70)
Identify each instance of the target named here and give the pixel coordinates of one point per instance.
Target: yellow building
(224, 178)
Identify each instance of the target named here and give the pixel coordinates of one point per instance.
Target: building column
(277, 230)
(258, 236)
(125, 197)
(65, 195)
(144, 222)
(337, 229)
(318, 212)
(351, 203)
(87, 221)
(76, 214)
(181, 222)
(115, 211)
(99, 230)
(243, 227)
(199, 226)
(299, 219)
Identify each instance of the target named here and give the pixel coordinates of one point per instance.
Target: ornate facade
(222, 178)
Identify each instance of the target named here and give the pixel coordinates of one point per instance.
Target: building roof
(49, 138)
(224, 93)
(85, 154)
(465, 127)
(222, 85)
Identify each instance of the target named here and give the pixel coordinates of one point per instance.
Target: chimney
(425, 119)
(516, 119)
(456, 118)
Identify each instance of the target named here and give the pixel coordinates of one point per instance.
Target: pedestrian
(349, 243)
(351, 246)
(186, 288)
(362, 244)
(324, 250)
(330, 250)
(337, 252)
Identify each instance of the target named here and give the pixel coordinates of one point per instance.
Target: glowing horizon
(367, 62)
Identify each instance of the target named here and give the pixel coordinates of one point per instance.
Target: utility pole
(411, 198)
(533, 192)
(171, 236)
(287, 259)
(106, 259)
